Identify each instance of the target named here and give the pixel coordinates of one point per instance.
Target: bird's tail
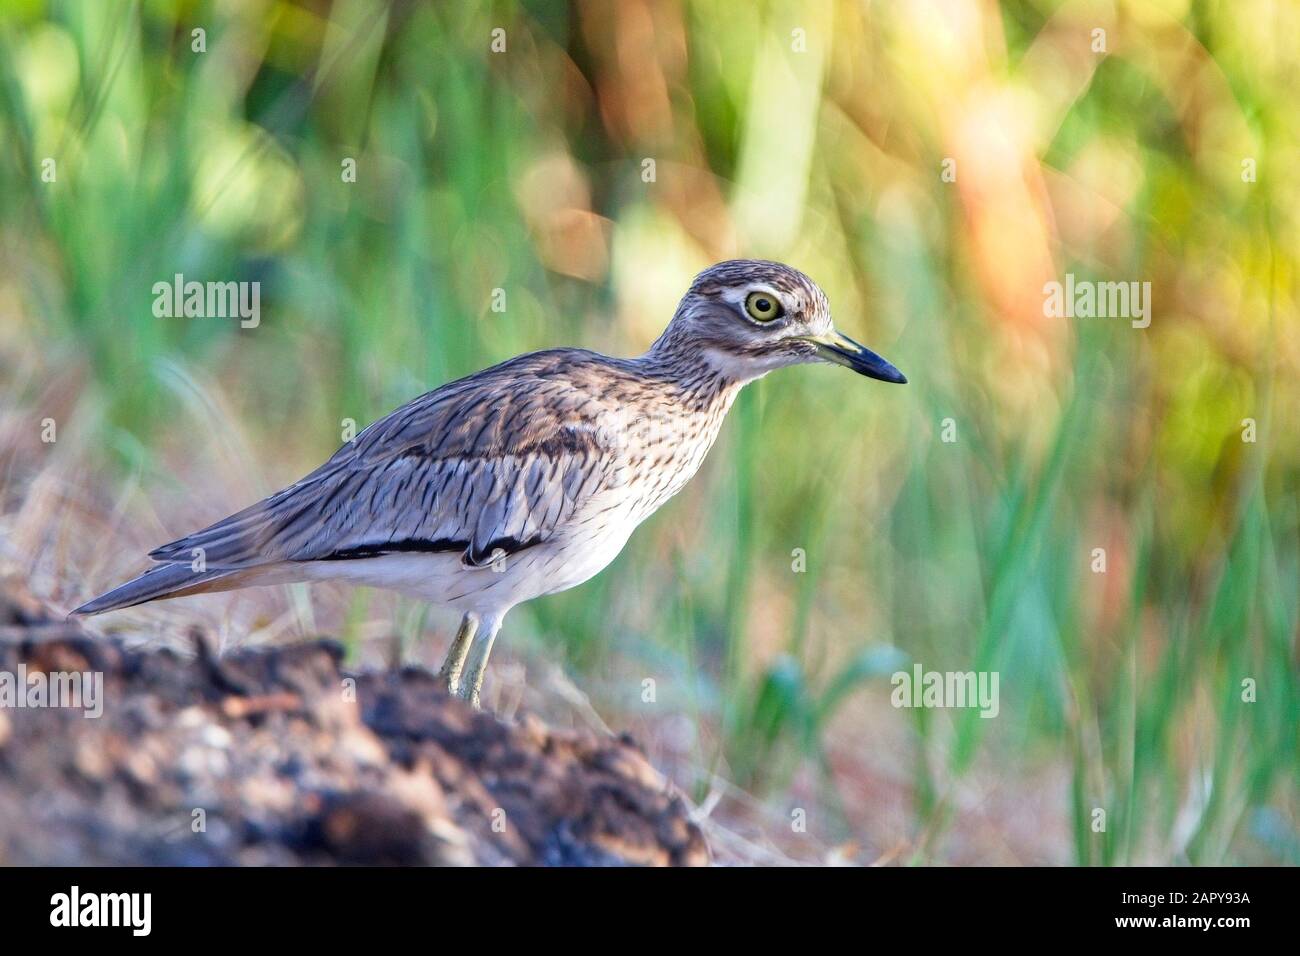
(161, 581)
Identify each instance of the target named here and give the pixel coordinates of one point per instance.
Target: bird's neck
(701, 377)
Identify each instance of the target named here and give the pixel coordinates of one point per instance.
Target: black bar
(333, 905)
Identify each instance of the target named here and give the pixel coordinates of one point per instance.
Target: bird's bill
(839, 348)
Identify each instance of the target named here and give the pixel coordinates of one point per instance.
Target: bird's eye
(763, 307)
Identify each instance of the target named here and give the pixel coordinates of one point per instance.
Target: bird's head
(746, 317)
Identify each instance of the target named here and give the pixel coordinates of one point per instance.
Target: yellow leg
(478, 659)
(456, 654)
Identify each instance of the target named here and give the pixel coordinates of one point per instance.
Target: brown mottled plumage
(521, 480)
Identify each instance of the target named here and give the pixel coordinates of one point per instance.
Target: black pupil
(763, 305)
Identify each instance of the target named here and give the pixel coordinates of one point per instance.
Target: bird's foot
(455, 686)
(450, 683)
(468, 692)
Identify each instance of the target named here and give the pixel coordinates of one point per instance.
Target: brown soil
(283, 757)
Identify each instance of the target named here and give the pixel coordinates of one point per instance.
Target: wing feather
(500, 460)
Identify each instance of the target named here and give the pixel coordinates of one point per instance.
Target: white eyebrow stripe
(736, 295)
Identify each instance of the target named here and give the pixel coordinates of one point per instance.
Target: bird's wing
(485, 466)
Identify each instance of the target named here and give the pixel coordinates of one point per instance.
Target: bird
(521, 480)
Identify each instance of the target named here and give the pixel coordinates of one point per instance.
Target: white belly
(556, 565)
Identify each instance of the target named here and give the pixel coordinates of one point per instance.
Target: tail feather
(165, 580)
(235, 539)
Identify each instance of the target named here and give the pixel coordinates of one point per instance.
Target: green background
(1161, 150)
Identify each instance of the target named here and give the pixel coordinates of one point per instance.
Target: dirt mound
(281, 757)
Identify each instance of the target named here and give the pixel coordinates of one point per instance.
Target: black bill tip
(842, 350)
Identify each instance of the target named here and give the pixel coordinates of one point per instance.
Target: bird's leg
(455, 660)
(478, 658)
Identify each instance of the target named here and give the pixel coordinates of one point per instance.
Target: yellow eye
(763, 307)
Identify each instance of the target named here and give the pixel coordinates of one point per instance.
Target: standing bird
(524, 479)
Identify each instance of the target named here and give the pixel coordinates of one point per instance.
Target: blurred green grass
(523, 171)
